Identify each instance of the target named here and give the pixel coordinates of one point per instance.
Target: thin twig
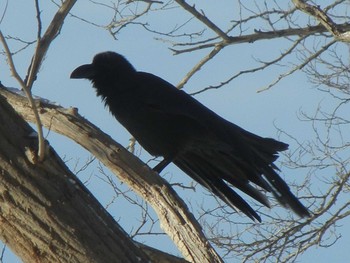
(198, 66)
(44, 42)
(253, 70)
(203, 19)
(3, 14)
(299, 67)
(41, 140)
(2, 253)
(38, 18)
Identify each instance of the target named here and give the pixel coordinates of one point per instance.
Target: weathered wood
(175, 219)
(46, 213)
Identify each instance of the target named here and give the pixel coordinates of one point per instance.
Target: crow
(168, 122)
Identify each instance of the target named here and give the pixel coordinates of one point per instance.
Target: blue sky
(239, 102)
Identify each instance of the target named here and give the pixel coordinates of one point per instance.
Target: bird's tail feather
(212, 170)
(282, 192)
(221, 167)
(202, 171)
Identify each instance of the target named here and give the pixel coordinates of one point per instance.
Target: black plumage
(170, 123)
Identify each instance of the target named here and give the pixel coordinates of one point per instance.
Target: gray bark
(46, 213)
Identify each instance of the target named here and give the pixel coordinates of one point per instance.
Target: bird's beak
(86, 71)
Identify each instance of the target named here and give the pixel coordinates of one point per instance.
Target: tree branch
(43, 43)
(198, 66)
(324, 19)
(41, 141)
(203, 19)
(47, 214)
(173, 213)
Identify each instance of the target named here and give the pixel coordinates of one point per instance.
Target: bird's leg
(160, 166)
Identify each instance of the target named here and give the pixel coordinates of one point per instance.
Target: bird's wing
(221, 152)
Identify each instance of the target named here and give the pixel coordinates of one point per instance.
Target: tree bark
(47, 214)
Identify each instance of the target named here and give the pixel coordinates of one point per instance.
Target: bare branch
(197, 67)
(299, 67)
(41, 141)
(265, 64)
(41, 49)
(4, 12)
(203, 19)
(43, 43)
(37, 9)
(324, 19)
(47, 214)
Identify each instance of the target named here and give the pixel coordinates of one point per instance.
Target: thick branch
(259, 35)
(46, 213)
(173, 214)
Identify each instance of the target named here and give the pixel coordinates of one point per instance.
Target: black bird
(170, 123)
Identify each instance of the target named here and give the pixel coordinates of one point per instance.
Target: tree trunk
(46, 213)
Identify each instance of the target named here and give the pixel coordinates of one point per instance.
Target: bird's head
(105, 66)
